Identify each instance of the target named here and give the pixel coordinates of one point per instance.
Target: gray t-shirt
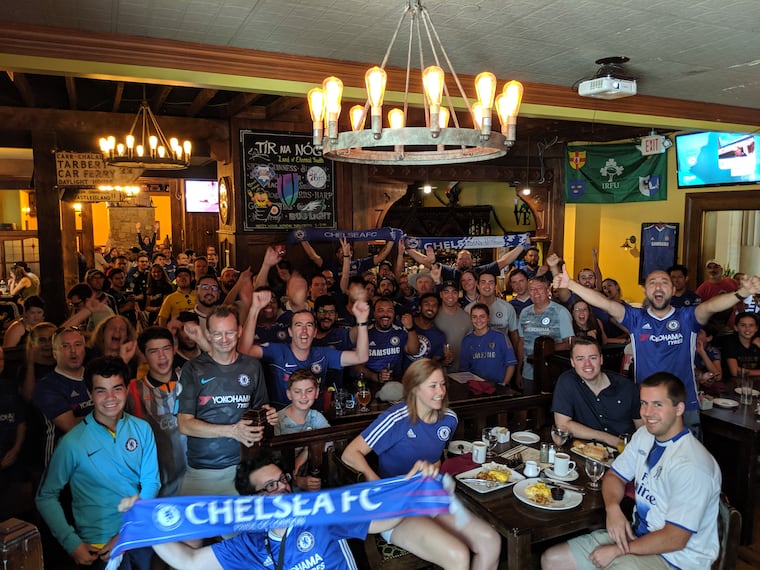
(554, 321)
(502, 315)
(455, 327)
(218, 394)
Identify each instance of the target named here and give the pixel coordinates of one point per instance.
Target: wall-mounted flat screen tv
(201, 196)
(717, 159)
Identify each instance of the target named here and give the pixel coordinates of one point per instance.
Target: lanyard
(281, 553)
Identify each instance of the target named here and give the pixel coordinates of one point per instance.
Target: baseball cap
(229, 268)
(93, 272)
(715, 261)
(183, 269)
(386, 262)
(447, 284)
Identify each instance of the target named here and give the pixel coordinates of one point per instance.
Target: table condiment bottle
(552, 453)
(544, 454)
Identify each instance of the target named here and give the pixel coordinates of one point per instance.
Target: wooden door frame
(694, 209)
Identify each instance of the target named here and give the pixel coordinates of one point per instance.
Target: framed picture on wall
(659, 247)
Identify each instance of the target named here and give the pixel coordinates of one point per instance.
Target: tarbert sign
(87, 170)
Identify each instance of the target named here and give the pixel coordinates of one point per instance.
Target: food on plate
(595, 451)
(498, 475)
(539, 493)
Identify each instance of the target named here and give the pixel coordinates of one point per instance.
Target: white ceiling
(703, 50)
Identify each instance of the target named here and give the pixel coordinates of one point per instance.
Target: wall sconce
(629, 243)
(77, 208)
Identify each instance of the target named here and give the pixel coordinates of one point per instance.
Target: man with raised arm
(283, 359)
(214, 391)
(664, 337)
(464, 261)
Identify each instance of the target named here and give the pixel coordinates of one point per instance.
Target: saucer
(572, 476)
(460, 447)
(725, 403)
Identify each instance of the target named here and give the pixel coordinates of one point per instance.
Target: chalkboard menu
(287, 183)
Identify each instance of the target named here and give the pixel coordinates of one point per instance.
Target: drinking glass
(364, 397)
(490, 438)
(560, 436)
(340, 402)
(595, 471)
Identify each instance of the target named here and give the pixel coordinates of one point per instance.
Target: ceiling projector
(607, 88)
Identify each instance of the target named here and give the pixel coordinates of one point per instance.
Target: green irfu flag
(614, 173)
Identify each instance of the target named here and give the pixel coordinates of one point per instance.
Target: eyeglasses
(326, 312)
(218, 335)
(272, 486)
(208, 288)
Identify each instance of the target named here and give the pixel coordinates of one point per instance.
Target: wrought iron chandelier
(436, 142)
(152, 150)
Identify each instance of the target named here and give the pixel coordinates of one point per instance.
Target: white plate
(610, 455)
(572, 476)
(454, 447)
(488, 486)
(725, 403)
(571, 499)
(755, 393)
(526, 437)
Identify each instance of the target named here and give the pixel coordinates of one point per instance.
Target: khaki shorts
(583, 546)
(209, 482)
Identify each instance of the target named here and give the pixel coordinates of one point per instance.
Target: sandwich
(596, 451)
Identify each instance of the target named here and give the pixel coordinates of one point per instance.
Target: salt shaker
(552, 453)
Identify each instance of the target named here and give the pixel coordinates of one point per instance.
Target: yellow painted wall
(10, 208)
(608, 225)
(500, 195)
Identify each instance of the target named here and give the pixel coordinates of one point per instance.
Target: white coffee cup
(479, 450)
(562, 464)
(531, 469)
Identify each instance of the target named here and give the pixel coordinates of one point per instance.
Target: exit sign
(652, 144)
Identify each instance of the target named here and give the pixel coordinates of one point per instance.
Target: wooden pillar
(87, 247)
(55, 258)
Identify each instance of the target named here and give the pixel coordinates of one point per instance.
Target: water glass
(746, 385)
(595, 471)
(490, 438)
(560, 436)
(340, 402)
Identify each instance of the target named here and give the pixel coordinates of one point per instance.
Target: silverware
(486, 482)
(562, 485)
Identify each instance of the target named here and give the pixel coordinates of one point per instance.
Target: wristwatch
(738, 296)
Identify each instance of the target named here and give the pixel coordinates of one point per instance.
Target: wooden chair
(729, 531)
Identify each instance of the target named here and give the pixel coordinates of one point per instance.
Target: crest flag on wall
(614, 173)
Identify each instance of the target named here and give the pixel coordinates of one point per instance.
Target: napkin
(478, 387)
(458, 464)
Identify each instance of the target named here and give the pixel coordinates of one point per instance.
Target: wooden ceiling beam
(71, 91)
(24, 89)
(240, 102)
(92, 123)
(159, 97)
(282, 105)
(200, 101)
(117, 97)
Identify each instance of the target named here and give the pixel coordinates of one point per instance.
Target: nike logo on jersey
(207, 380)
(91, 453)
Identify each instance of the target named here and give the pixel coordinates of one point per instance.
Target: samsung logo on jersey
(385, 351)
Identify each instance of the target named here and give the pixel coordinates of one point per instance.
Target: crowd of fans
(190, 346)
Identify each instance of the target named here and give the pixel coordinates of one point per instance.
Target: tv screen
(716, 158)
(201, 196)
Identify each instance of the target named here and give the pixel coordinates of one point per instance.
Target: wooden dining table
(524, 526)
(732, 435)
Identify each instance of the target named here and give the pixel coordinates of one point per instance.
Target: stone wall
(122, 221)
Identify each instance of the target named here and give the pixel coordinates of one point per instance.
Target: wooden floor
(749, 556)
